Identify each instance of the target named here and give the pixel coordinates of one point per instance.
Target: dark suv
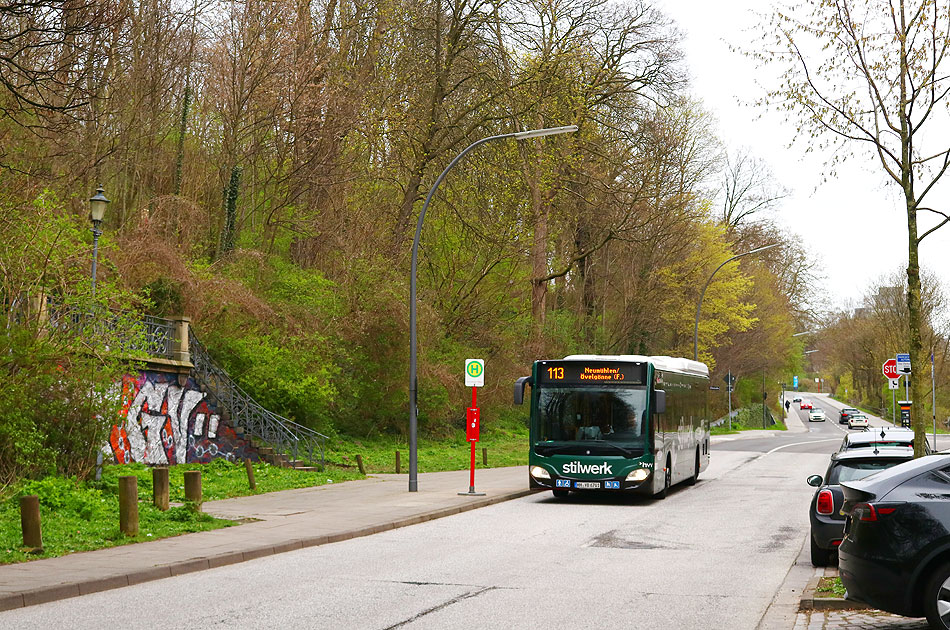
(825, 515)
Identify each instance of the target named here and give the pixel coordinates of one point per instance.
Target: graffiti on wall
(162, 423)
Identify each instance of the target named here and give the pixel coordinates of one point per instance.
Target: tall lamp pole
(521, 135)
(97, 210)
(699, 306)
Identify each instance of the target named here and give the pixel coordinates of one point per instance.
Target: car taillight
(825, 504)
(869, 513)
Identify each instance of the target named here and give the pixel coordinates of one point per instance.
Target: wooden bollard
(193, 488)
(129, 505)
(359, 464)
(160, 488)
(250, 474)
(484, 457)
(30, 522)
(398, 466)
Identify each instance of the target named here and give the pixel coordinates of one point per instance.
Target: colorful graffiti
(163, 423)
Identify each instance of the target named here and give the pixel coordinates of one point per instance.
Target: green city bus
(616, 423)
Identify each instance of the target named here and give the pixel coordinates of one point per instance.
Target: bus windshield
(582, 414)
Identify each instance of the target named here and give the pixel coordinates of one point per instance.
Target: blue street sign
(795, 382)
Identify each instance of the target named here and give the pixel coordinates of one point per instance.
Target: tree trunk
(914, 323)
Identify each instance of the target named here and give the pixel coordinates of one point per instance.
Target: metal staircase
(279, 440)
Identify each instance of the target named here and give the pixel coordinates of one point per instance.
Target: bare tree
(872, 73)
(748, 188)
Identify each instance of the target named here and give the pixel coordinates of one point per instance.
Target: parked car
(886, 437)
(858, 421)
(816, 415)
(804, 404)
(827, 519)
(895, 554)
(847, 411)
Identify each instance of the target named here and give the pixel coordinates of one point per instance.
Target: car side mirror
(814, 480)
(659, 401)
(519, 388)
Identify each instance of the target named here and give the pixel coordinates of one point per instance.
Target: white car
(857, 421)
(816, 415)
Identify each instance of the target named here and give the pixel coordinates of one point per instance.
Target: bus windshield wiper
(551, 449)
(626, 452)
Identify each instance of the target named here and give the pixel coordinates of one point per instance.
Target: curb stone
(11, 601)
(811, 602)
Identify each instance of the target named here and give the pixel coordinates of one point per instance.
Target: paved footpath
(273, 523)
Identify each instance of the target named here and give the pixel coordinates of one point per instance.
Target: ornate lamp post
(97, 211)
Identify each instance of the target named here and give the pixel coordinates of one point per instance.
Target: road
(717, 555)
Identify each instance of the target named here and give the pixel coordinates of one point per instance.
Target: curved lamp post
(97, 211)
(521, 135)
(699, 306)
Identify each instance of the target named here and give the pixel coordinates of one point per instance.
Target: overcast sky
(855, 223)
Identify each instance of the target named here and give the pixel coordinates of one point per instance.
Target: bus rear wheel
(692, 480)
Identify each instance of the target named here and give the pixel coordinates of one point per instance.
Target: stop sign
(890, 369)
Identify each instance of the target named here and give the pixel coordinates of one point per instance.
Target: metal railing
(284, 435)
(122, 331)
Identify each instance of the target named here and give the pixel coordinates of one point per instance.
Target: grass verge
(84, 515)
(507, 446)
(830, 587)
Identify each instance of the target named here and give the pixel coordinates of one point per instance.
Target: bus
(626, 423)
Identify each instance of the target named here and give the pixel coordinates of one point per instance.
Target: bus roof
(669, 364)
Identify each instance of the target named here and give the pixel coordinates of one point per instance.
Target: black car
(827, 519)
(896, 549)
(843, 416)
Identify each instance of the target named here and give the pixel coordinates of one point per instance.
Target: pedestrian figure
(787, 405)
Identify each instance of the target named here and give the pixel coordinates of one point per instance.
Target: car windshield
(588, 414)
(854, 470)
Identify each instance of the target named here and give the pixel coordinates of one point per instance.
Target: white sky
(854, 224)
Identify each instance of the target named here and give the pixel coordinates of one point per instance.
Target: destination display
(591, 373)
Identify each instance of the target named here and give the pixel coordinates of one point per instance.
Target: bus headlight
(540, 473)
(638, 475)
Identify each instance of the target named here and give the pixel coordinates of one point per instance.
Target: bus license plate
(587, 485)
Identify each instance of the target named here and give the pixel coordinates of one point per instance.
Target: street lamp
(97, 210)
(699, 306)
(521, 135)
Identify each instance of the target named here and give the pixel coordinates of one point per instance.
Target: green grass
(507, 446)
(830, 587)
(81, 516)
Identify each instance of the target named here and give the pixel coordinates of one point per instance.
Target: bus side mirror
(659, 401)
(519, 388)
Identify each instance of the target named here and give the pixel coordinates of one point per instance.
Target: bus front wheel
(667, 479)
(560, 493)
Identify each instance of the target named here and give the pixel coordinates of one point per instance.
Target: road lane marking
(778, 448)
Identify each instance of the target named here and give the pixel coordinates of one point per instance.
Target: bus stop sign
(474, 372)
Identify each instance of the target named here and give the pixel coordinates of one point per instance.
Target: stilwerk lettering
(586, 469)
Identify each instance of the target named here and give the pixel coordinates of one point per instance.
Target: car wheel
(692, 480)
(819, 557)
(667, 478)
(560, 493)
(937, 598)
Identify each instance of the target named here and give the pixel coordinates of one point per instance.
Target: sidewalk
(273, 523)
